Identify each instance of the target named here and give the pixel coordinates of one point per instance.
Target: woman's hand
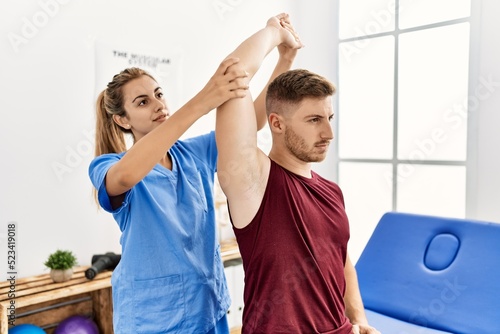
(228, 82)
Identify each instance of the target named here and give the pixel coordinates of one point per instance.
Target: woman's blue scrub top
(170, 278)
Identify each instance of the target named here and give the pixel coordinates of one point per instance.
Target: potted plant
(61, 264)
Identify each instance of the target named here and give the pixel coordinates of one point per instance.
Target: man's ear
(121, 121)
(276, 123)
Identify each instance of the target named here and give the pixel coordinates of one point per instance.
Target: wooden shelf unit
(44, 303)
(40, 301)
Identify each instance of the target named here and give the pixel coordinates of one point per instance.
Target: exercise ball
(26, 329)
(77, 324)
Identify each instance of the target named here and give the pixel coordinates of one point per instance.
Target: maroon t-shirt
(293, 253)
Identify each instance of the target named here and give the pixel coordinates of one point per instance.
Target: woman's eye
(159, 95)
(142, 102)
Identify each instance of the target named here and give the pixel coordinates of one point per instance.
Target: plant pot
(61, 275)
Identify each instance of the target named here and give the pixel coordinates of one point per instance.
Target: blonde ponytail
(109, 137)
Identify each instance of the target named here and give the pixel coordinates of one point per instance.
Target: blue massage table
(428, 275)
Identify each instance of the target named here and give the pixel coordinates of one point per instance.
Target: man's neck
(291, 163)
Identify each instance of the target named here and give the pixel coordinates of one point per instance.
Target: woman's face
(145, 106)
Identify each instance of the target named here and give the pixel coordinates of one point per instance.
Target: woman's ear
(276, 123)
(121, 122)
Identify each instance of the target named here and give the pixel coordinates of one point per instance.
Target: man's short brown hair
(291, 87)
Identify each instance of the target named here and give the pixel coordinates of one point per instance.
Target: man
(289, 222)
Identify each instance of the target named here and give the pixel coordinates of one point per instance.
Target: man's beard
(298, 147)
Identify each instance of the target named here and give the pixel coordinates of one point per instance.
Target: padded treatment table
(429, 275)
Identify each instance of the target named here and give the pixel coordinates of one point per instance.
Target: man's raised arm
(242, 167)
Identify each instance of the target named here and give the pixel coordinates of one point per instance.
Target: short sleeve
(204, 148)
(97, 172)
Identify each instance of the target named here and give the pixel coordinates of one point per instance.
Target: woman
(160, 192)
(170, 276)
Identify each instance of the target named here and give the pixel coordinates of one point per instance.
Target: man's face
(309, 131)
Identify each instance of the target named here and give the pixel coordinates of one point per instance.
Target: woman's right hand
(228, 82)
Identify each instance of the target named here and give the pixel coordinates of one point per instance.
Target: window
(402, 108)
